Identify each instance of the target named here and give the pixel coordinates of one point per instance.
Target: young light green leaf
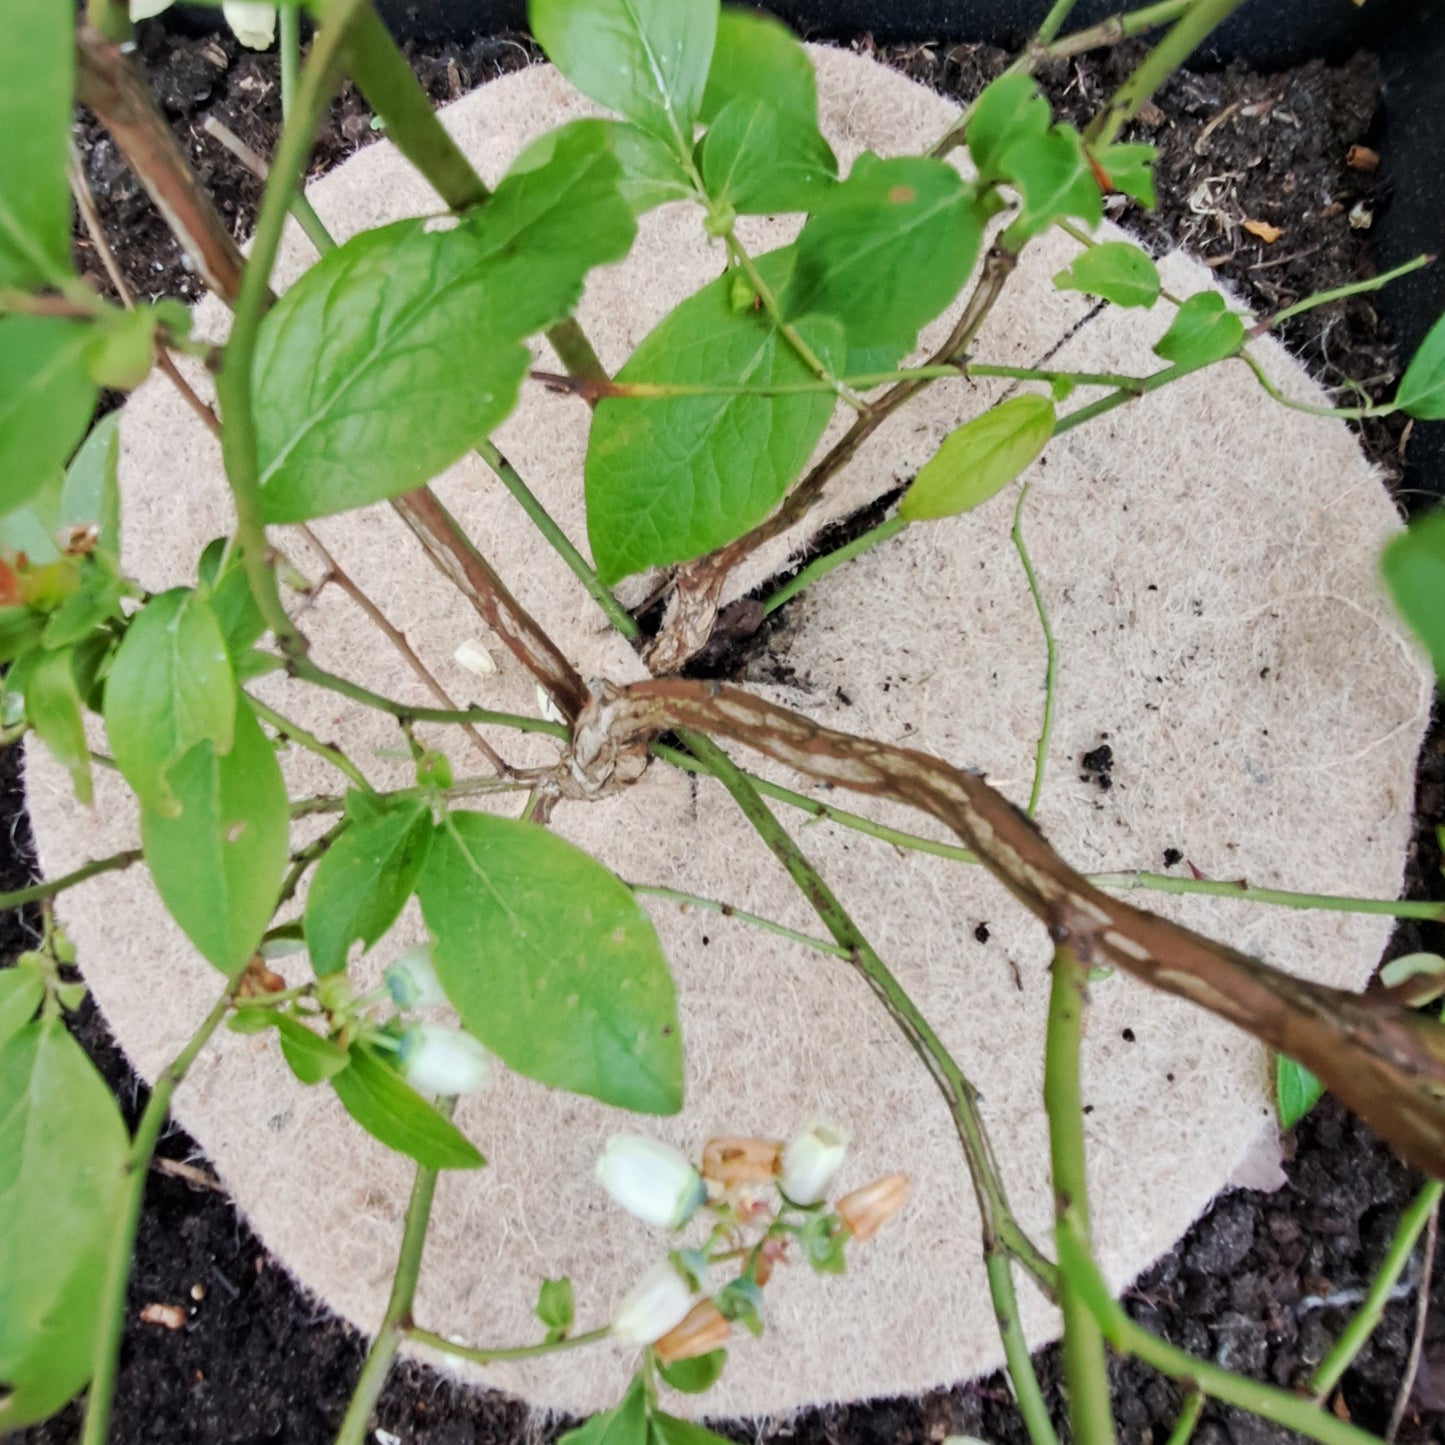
(362, 883)
(46, 397)
(225, 586)
(122, 347)
(170, 687)
(1054, 180)
(52, 703)
(757, 58)
(21, 992)
(1296, 1091)
(88, 495)
(1130, 169)
(1413, 565)
(93, 606)
(664, 1429)
(1115, 271)
(887, 250)
(550, 962)
(392, 1112)
(37, 76)
(695, 1375)
(310, 1057)
(414, 309)
(218, 864)
(760, 161)
(1421, 392)
(63, 1152)
(1007, 111)
(668, 478)
(1204, 330)
(646, 59)
(650, 174)
(555, 1307)
(624, 1424)
(980, 459)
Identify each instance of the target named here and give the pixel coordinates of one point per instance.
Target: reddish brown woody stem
(457, 559)
(1385, 1063)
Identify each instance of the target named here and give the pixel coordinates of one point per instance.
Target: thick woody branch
(459, 561)
(1385, 1063)
(110, 84)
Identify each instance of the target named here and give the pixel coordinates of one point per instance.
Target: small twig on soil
(198, 1178)
(1417, 1341)
(85, 204)
(336, 573)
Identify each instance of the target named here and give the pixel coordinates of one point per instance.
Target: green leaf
(887, 250)
(46, 397)
(218, 865)
(1007, 111)
(555, 1306)
(52, 703)
(646, 59)
(225, 585)
(1296, 1091)
(1130, 169)
(362, 883)
(669, 478)
(979, 459)
(392, 1112)
(94, 606)
(760, 160)
(1054, 180)
(37, 76)
(1204, 330)
(310, 1057)
(757, 58)
(1422, 388)
(170, 687)
(650, 174)
(122, 346)
(87, 495)
(664, 1429)
(424, 309)
(550, 962)
(822, 1241)
(1413, 565)
(20, 630)
(1114, 270)
(692, 1377)
(741, 1300)
(21, 993)
(625, 1424)
(63, 1152)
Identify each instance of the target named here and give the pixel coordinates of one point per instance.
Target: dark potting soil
(1264, 1282)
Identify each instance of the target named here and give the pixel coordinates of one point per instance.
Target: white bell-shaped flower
(810, 1160)
(651, 1180)
(656, 1304)
(412, 980)
(439, 1060)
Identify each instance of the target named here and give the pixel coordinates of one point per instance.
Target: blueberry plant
(701, 448)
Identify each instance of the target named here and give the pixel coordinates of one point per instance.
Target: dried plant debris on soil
(1264, 1282)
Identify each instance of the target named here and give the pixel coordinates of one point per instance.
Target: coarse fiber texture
(1207, 559)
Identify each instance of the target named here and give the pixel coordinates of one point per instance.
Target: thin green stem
(1339, 293)
(39, 892)
(1362, 1325)
(355, 1426)
(307, 671)
(1051, 665)
(1001, 1229)
(1086, 1373)
(1119, 881)
(1053, 22)
(1293, 1412)
(821, 566)
(1188, 1421)
(1348, 413)
(478, 1355)
(239, 446)
(1027, 1394)
(308, 740)
(1181, 40)
(810, 358)
(290, 47)
(727, 910)
(305, 857)
(542, 519)
(1116, 399)
(110, 1316)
